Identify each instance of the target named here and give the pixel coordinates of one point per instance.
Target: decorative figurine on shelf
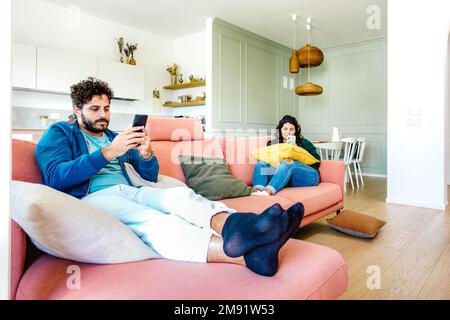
(173, 73)
(127, 55)
(131, 49)
(120, 44)
(181, 78)
(191, 78)
(156, 101)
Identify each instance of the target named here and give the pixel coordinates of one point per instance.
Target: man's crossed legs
(181, 225)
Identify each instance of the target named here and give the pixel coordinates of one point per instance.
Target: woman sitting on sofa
(268, 180)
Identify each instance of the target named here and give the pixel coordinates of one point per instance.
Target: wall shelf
(185, 104)
(200, 83)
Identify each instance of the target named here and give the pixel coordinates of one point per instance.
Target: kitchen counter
(27, 134)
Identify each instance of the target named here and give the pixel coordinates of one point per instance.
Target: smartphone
(140, 120)
(292, 139)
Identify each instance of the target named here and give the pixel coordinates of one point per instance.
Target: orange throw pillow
(356, 224)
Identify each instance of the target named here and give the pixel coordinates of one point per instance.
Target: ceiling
(335, 22)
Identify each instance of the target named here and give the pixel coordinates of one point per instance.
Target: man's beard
(89, 125)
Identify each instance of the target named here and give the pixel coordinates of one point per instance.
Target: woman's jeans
(295, 174)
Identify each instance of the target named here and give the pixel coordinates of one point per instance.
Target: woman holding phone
(268, 180)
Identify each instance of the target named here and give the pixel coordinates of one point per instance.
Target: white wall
(417, 45)
(354, 99)
(247, 86)
(447, 109)
(5, 141)
(46, 25)
(190, 55)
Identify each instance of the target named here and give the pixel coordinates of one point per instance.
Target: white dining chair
(349, 152)
(360, 146)
(329, 150)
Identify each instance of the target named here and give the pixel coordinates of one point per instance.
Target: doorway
(447, 110)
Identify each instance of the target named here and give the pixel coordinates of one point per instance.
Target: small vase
(181, 79)
(336, 137)
(173, 79)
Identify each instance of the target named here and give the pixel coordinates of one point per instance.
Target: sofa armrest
(18, 255)
(332, 171)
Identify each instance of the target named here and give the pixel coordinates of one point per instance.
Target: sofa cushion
(168, 153)
(67, 227)
(315, 198)
(211, 178)
(307, 271)
(256, 204)
(170, 129)
(237, 151)
(24, 165)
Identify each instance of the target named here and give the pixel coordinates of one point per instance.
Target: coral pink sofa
(307, 270)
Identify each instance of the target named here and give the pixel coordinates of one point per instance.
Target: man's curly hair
(83, 91)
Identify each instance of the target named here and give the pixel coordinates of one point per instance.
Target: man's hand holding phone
(140, 120)
(144, 148)
(129, 139)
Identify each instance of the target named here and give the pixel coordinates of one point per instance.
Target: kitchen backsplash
(29, 118)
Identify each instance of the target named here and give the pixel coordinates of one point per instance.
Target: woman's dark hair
(83, 91)
(294, 122)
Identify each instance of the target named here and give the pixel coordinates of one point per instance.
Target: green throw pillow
(211, 178)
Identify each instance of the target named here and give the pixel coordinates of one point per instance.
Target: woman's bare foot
(265, 192)
(260, 193)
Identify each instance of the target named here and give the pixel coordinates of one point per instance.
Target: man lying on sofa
(86, 160)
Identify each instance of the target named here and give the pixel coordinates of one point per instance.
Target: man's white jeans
(174, 222)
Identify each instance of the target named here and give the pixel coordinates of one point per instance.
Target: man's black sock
(243, 232)
(264, 259)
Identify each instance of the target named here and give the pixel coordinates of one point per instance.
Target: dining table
(328, 150)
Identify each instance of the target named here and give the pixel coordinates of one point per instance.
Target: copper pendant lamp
(294, 64)
(315, 56)
(309, 89)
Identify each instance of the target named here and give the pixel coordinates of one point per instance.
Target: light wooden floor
(412, 250)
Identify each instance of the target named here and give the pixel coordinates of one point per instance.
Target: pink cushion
(314, 198)
(167, 153)
(24, 165)
(237, 152)
(307, 271)
(174, 129)
(18, 254)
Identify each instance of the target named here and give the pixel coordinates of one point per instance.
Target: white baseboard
(375, 175)
(418, 204)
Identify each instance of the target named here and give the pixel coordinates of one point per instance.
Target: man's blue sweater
(66, 164)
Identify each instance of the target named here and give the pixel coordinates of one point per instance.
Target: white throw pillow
(163, 181)
(66, 227)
